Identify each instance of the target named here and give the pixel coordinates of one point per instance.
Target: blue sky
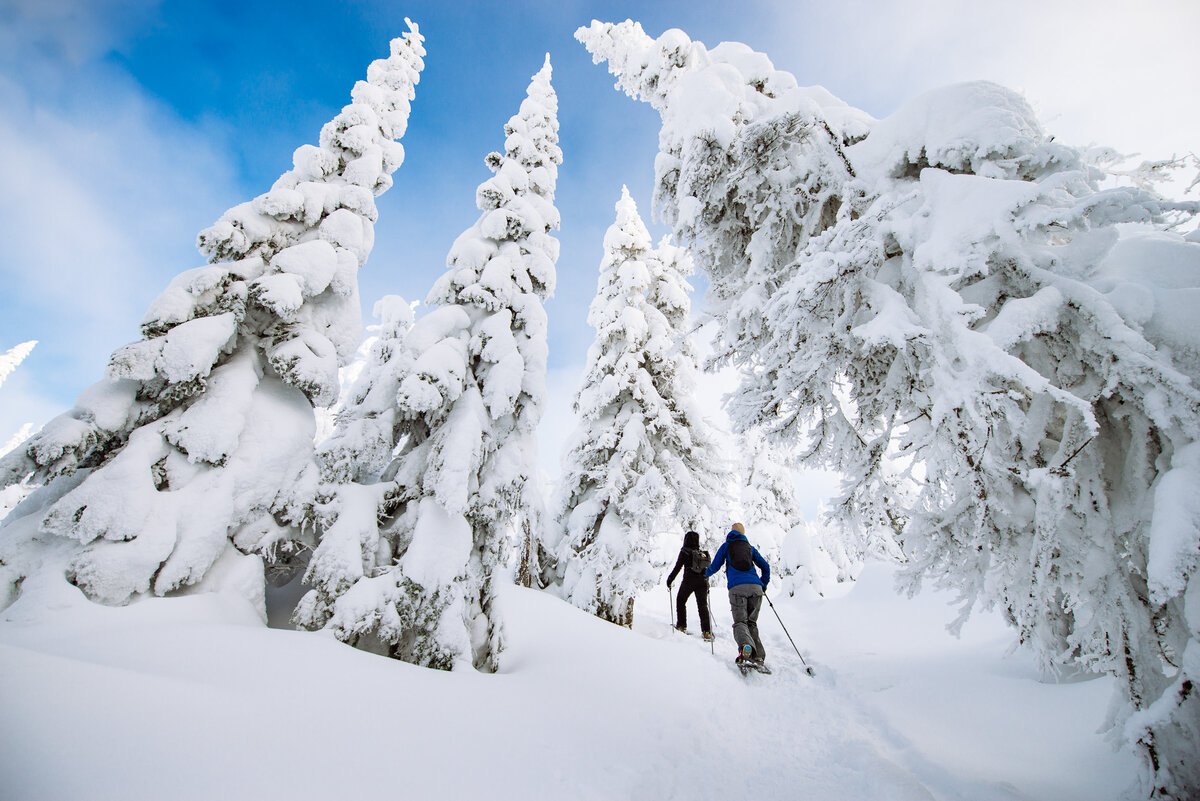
(127, 127)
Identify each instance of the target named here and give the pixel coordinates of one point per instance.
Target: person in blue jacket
(746, 588)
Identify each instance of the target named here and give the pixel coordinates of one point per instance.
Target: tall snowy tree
(958, 335)
(174, 468)
(642, 457)
(415, 546)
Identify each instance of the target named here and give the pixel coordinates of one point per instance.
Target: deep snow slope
(191, 697)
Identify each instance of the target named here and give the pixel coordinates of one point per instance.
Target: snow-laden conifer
(979, 336)
(642, 457)
(175, 468)
(414, 546)
(13, 357)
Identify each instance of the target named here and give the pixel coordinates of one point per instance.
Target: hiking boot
(708, 636)
(746, 652)
(681, 629)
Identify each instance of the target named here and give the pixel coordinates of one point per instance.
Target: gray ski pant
(745, 600)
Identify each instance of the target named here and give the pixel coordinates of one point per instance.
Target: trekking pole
(671, 607)
(807, 669)
(708, 602)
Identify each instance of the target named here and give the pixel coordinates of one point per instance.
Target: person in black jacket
(693, 562)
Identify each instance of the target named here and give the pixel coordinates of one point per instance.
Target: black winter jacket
(691, 544)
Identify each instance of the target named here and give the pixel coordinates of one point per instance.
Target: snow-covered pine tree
(13, 357)
(174, 469)
(642, 457)
(954, 342)
(468, 388)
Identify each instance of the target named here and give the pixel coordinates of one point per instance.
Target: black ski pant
(745, 601)
(692, 583)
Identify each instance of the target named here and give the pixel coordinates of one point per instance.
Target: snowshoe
(744, 662)
(760, 666)
(708, 636)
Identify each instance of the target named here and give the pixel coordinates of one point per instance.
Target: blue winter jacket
(733, 575)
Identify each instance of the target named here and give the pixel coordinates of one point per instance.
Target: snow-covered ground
(192, 697)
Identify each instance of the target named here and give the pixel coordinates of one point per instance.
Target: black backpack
(740, 556)
(700, 560)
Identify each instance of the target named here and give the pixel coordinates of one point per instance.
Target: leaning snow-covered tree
(415, 546)
(975, 331)
(173, 469)
(642, 455)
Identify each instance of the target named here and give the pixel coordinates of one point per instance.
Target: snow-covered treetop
(346, 171)
(700, 90)
(14, 356)
(628, 233)
(487, 266)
